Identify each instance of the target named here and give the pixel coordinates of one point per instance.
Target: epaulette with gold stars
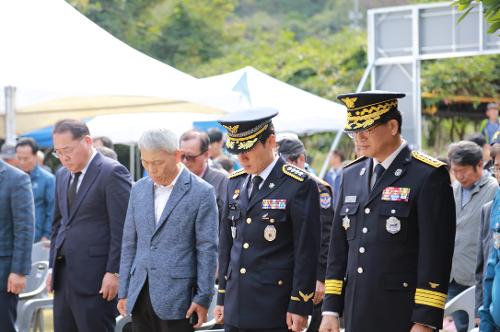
(427, 159)
(294, 172)
(355, 161)
(237, 173)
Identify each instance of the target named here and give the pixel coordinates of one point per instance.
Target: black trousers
(74, 312)
(229, 328)
(8, 311)
(144, 318)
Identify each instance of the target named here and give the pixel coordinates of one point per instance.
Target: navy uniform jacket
(391, 249)
(266, 270)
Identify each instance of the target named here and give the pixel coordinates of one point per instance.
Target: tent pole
(10, 114)
(132, 160)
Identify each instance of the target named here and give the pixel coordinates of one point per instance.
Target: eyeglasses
(190, 158)
(66, 151)
(494, 169)
(366, 132)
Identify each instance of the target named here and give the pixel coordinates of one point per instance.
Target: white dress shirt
(264, 175)
(387, 161)
(84, 170)
(162, 194)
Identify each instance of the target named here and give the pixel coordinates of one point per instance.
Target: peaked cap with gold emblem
(368, 108)
(244, 128)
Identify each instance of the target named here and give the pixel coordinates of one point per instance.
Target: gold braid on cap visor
(358, 118)
(245, 143)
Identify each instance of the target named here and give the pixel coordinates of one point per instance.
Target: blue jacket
(43, 185)
(16, 223)
(490, 311)
(178, 256)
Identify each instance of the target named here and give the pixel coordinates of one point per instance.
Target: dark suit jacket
(218, 179)
(17, 222)
(92, 230)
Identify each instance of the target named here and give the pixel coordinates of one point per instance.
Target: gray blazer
(468, 228)
(17, 222)
(218, 179)
(177, 256)
(484, 241)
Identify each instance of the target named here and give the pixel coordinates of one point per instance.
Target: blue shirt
(490, 310)
(490, 130)
(467, 193)
(43, 185)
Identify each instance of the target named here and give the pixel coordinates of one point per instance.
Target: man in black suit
(92, 193)
(393, 232)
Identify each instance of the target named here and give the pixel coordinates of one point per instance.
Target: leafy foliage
(491, 11)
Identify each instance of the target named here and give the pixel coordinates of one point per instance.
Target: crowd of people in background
(149, 248)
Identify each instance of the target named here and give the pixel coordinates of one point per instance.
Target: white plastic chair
(35, 289)
(40, 251)
(464, 301)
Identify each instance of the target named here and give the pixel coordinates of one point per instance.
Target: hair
(201, 136)
(225, 162)
(478, 139)
(110, 153)
(465, 153)
(340, 154)
(106, 141)
(268, 132)
(28, 141)
(159, 139)
(77, 128)
(495, 151)
(394, 114)
(215, 135)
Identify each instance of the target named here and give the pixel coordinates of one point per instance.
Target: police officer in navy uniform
(393, 232)
(269, 232)
(292, 150)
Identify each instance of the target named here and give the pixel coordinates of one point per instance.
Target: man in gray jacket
(169, 247)
(472, 190)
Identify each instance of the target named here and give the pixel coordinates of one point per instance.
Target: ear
(177, 156)
(88, 140)
(393, 127)
(271, 140)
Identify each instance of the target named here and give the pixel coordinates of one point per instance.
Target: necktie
(379, 170)
(72, 189)
(256, 181)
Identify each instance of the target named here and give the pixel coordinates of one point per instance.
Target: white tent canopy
(50, 50)
(127, 128)
(301, 112)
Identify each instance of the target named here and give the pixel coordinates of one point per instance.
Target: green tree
(491, 11)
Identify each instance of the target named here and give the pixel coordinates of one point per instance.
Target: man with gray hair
(473, 188)
(169, 245)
